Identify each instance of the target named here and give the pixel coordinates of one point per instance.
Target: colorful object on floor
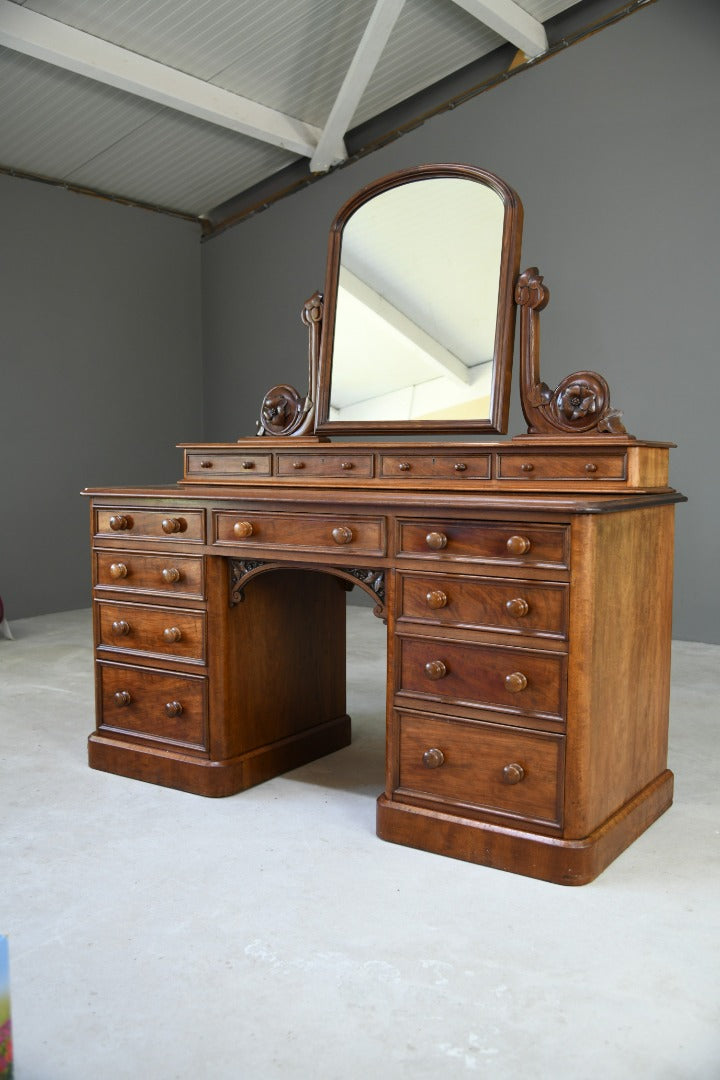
(6, 1054)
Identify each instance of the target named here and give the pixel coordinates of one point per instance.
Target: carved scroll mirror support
(284, 411)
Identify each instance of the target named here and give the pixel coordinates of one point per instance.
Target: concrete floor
(162, 936)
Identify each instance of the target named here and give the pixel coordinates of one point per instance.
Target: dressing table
(526, 584)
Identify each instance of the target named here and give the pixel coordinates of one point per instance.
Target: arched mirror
(419, 315)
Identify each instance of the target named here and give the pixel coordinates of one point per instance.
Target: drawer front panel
(505, 770)
(153, 631)
(167, 707)
(215, 466)
(517, 680)
(529, 545)
(127, 523)
(483, 603)
(172, 575)
(341, 534)
(589, 466)
(301, 466)
(456, 466)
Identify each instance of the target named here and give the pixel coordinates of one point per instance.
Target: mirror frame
(504, 324)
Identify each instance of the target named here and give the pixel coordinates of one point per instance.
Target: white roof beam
(331, 148)
(47, 39)
(510, 21)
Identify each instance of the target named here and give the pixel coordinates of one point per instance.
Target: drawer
(156, 705)
(587, 466)
(172, 575)
(339, 533)
(151, 631)
(516, 544)
(483, 603)
(516, 680)
(484, 766)
(455, 466)
(301, 466)
(125, 523)
(214, 466)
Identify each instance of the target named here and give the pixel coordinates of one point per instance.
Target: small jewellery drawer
(209, 467)
(456, 466)
(517, 680)
(137, 522)
(483, 603)
(176, 575)
(301, 466)
(531, 545)
(153, 704)
(589, 466)
(151, 631)
(485, 766)
(300, 532)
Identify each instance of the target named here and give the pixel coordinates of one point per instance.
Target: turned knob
(242, 529)
(247, 464)
(346, 465)
(517, 607)
(170, 574)
(435, 669)
(121, 627)
(436, 540)
(436, 598)
(527, 466)
(590, 467)
(513, 774)
(460, 466)
(118, 570)
(433, 758)
(518, 545)
(206, 464)
(172, 633)
(173, 525)
(404, 466)
(515, 682)
(118, 522)
(173, 708)
(298, 464)
(122, 697)
(342, 535)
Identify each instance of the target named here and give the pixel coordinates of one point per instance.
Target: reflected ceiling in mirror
(419, 312)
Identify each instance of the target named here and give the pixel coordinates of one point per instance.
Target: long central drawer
(341, 533)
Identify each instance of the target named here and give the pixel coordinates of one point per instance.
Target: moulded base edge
(549, 858)
(216, 779)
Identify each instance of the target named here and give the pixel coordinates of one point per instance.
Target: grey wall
(613, 148)
(100, 374)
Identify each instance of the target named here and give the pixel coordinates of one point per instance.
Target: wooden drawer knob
(119, 522)
(527, 466)
(436, 540)
(404, 466)
(433, 758)
(173, 525)
(513, 774)
(515, 682)
(346, 465)
(121, 628)
(247, 464)
(518, 545)
(173, 708)
(460, 466)
(342, 535)
(298, 464)
(590, 467)
(435, 669)
(436, 598)
(118, 570)
(517, 607)
(206, 464)
(172, 633)
(170, 575)
(242, 529)
(122, 697)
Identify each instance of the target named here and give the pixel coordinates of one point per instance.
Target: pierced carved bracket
(283, 411)
(371, 580)
(580, 404)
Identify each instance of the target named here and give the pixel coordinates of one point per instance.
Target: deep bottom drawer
(157, 705)
(484, 766)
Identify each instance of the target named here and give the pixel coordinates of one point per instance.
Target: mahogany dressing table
(526, 584)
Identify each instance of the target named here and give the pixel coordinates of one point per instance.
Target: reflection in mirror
(417, 304)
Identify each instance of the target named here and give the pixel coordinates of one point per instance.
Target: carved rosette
(580, 404)
(371, 580)
(284, 411)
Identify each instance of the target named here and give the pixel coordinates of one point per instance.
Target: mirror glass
(418, 316)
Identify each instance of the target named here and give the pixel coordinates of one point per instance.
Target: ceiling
(183, 105)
